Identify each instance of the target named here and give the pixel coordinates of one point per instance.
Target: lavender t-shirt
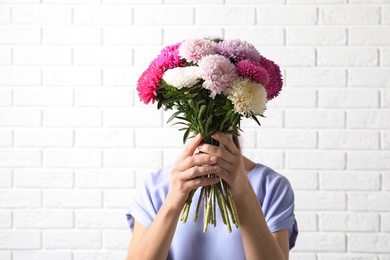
(189, 242)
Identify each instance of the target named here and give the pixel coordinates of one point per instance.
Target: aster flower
(169, 57)
(182, 76)
(238, 50)
(194, 50)
(148, 83)
(217, 72)
(275, 84)
(247, 96)
(252, 70)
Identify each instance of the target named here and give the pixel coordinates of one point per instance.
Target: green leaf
(174, 116)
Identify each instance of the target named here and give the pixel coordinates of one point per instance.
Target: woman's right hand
(187, 169)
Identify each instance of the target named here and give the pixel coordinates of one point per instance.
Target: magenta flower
(252, 70)
(148, 83)
(237, 50)
(217, 72)
(169, 57)
(275, 78)
(195, 49)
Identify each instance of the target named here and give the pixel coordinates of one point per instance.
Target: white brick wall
(75, 140)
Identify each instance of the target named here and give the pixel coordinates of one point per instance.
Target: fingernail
(200, 146)
(213, 159)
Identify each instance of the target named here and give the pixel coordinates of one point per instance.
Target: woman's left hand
(230, 161)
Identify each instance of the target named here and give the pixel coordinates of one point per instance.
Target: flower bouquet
(211, 85)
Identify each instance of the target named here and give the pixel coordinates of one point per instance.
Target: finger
(201, 182)
(196, 160)
(227, 142)
(200, 171)
(191, 147)
(217, 151)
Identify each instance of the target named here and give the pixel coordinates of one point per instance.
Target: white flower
(182, 76)
(247, 96)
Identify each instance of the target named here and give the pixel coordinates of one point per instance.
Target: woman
(264, 201)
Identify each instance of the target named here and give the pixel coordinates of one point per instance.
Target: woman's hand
(230, 161)
(186, 171)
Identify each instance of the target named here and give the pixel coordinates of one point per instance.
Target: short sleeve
(278, 207)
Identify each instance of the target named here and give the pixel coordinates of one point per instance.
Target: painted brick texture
(75, 140)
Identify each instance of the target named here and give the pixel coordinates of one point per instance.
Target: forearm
(258, 241)
(156, 242)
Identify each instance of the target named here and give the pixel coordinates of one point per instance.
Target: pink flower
(195, 49)
(237, 50)
(217, 72)
(252, 70)
(275, 83)
(169, 57)
(148, 83)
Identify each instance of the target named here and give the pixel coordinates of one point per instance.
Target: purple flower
(275, 78)
(195, 49)
(252, 70)
(217, 72)
(237, 50)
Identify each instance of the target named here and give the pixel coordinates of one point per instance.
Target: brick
(99, 138)
(192, 2)
(115, 96)
(286, 15)
(225, 15)
(316, 77)
(147, 138)
(369, 242)
(20, 35)
(20, 239)
(290, 56)
(275, 35)
(116, 240)
(368, 160)
(104, 179)
(53, 97)
(347, 221)
(347, 56)
(43, 178)
(6, 97)
(344, 256)
(119, 198)
(72, 239)
(42, 55)
(5, 15)
(5, 219)
(302, 180)
(72, 158)
(137, 35)
(132, 1)
(347, 14)
(42, 219)
(369, 35)
(302, 256)
(386, 180)
(386, 14)
(348, 139)
(363, 119)
(20, 117)
(348, 98)
(178, 33)
(317, 1)
(255, 1)
(103, 15)
(20, 76)
(71, 1)
(5, 255)
(320, 200)
(80, 117)
(307, 221)
(99, 219)
(72, 199)
(385, 98)
(248, 139)
(315, 118)
(350, 180)
(385, 222)
(117, 56)
(6, 179)
(274, 118)
(132, 158)
(85, 76)
(315, 159)
(317, 36)
(99, 255)
(122, 77)
(321, 242)
(20, 2)
(272, 158)
(50, 15)
(132, 117)
(41, 255)
(286, 139)
(171, 155)
(83, 35)
(34, 137)
(6, 138)
(378, 77)
(386, 140)
(5, 56)
(384, 56)
(144, 55)
(20, 158)
(163, 15)
(369, 201)
(20, 199)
